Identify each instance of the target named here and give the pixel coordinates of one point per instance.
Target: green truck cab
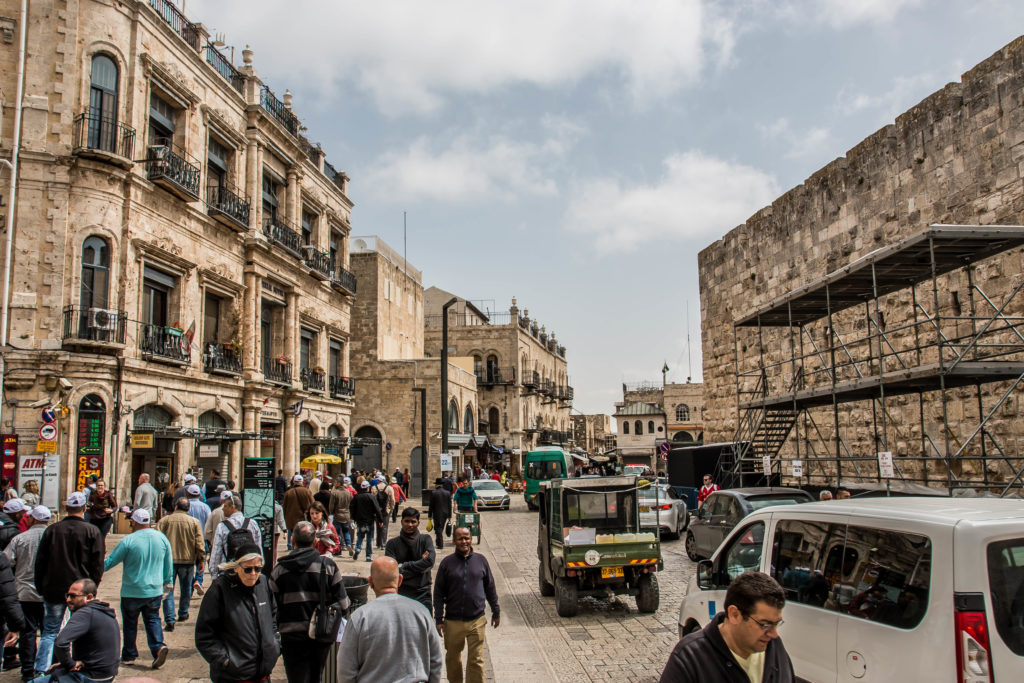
(542, 464)
(590, 543)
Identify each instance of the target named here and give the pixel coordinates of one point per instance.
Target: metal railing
(164, 343)
(224, 200)
(279, 232)
(224, 67)
(222, 359)
(342, 387)
(277, 372)
(333, 174)
(320, 261)
(103, 133)
(94, 325)
(168, 163)
(343, 279)
(177, 21)
(276, 108)
(494, 375)
(312, 379)
(531, 378)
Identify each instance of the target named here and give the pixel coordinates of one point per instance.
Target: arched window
(650, 426)
(638, 428)
(492, 368)
(478, 367)
(211, 420)
(625, 427)
(467, 422)
(95, 273)
(682, 413)
(103, 104)
(493, 421)
(453, 416)
(305, 431)
(151, 416)
(334, 432)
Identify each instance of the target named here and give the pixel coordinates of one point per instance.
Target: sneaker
(124, 662)
(168, 626)
(355, 555)
(161, 657)
(352, 551)
(369, 559)
(197, 588)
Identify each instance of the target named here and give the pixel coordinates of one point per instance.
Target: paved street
(604, 642)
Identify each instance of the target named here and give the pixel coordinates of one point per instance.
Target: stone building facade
(956, 158)
(684, 411)
(180, 253)
(593, 433)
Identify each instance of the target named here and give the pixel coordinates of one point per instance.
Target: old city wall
(955, 158)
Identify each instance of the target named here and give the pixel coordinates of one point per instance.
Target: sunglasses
(74, 595)
(252, 570)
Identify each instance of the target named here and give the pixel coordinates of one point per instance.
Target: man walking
(148, 569)
(414, 553)
(386, 501)
(338, 508)
(211, 485)
(234, 520)
(296, 504)
(440, 510)
(188, 550)
(464, 583)
(706, 490)
(365, 513)
(22, 554)
(146, 496)
(744, 636)
(69, 550)
(86, 649)
(201, 512)
(391, 637)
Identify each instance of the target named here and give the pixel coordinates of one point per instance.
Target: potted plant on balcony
(317, 370)
(284, 360)
(175, 330)
(234, 346)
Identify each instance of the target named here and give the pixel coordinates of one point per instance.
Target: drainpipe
(13, 188)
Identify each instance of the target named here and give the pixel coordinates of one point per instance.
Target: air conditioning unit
(102, 319)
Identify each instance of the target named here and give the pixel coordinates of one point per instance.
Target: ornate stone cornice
(217, 277)
(170, 79)
(163, 250)
(214, 119)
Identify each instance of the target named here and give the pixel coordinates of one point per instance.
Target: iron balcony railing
(342, 387)
(224, 67)
(546, 387)
(320, 261)
(568, 394)
(494, 375)
(221, 359)
(164, 344)
(334, 175)
(94, 325)
(177, 21)
(92, 131)
(343, 279)
(312, 379)
(279, 232)
(169, 165)
(276, 371)
(223, 200)
(276, 108)
(531, 378)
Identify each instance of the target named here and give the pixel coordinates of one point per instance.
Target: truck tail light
(666, 506)
(973, 662)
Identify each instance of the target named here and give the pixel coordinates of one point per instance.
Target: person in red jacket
(706, 490)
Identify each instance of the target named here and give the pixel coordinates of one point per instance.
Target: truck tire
(691, 547)
(546, 589)
(648, 599)
(566, 597)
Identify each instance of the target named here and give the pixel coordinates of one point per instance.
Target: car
(492, 494)
(724, 509)
(883, 589)
(634, 470)
(662, 507)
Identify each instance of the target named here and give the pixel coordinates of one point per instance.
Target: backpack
(382, 498)
(236, 537)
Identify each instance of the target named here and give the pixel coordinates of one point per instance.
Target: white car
(492, 494)
(662, 507)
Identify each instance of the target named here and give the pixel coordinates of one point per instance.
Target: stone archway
(366, 456)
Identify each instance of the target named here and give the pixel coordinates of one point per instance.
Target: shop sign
(271, 414)
(209, 450)
(30, 468)
(470, 452)
(89, 452)
(142, 440)
(446, 462)
(45, 447)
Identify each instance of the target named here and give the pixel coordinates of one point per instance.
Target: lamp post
(424, 489)
(444, 372)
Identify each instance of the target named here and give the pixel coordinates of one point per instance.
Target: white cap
(348, 480)
(297, 478)
(193, 490)
(15, 505)
(224, 495)
(365, 484)
(40, 512)
(190, 478)
(140, 516)
(77, 499)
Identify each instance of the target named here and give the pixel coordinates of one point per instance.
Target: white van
(884, 589)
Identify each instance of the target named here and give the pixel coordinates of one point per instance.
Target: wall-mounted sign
(446, 462)
(798, 468)
(142, 440)
(48, 414)
(47, 431)
(10, 455)
(209, 450)
(274, 414)
(89, 452)
(885, 465)
(46, 446)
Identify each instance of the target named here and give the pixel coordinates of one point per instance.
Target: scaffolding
(831, 370)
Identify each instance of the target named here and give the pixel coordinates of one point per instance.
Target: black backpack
(382, 500)
(237, 537)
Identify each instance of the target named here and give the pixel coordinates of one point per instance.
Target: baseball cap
(224, 495)
(348, 480)
(189, 478)
(192, 490)
(40, 512)
(15, 505)
(297, 478)
(140, 516)
(364, 485)
(77, 499)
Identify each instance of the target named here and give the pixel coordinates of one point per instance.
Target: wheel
(691, 627)
(546, 589)
(566, 597)
(691, 547)
(648, 598)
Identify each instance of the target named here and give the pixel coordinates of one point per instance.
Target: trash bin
(355, 587)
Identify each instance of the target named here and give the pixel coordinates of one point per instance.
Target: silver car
(492, 494)
(662, 507)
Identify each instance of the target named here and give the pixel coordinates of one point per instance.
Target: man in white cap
(146, 496)
(296, 503)
(22, 554)
(215, 518)
(201, 512)
(189, 551)
(148, 571)
(10, 518)
(70, 550)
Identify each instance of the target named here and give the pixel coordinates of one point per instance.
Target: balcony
(491, 376)
(343, 280)
(101, 136)
(553, 436)
(226, 206)
(276, 108)
(171, 168)
(277, 370)
(342, 387)
(279, 232)
(320, 262)
(94, 327)
(531, 378)
(546, 387)
(177, 21)
(224, 67)
(221, 359)
(312, 379)
(568, 393)
(164, 344)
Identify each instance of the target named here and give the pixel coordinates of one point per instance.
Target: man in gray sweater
(384, 640)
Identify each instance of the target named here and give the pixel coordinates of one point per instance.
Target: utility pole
(424, 488)
(444, 373)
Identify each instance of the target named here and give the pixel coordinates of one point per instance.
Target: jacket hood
(299, 559)
(100, 606)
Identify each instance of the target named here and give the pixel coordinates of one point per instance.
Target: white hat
(15, 505)
(225, 495)
(348, 480)
(190, 478)
(140, 516)
(40, 512)
(365, 484)
(77, 499)
(297, 478)
(192, 490)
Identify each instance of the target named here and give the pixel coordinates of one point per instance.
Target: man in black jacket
(440, 510)
(739, 642)
(90, 643)
(12, 619)
(414, 553)
(366, 513)
(70, 550)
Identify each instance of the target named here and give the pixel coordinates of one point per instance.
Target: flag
(186, 339)
(296, 407)
(664, 369)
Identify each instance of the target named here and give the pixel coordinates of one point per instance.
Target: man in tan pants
(463, 585)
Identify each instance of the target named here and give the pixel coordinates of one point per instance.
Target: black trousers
(439, 523)
(33, 612)
(304, 659)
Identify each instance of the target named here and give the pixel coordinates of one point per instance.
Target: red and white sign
(47, 432)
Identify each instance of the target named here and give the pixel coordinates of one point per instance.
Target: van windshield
(1006, 583)
(544, 469)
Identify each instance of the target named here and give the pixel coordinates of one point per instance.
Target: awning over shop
(471, 440)
(581, 458)
(203, 433)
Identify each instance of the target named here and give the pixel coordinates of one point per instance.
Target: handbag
(326, 619)
(448, 529)
(430, 525)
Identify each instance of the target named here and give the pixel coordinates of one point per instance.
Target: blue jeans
(343, 532)
(62, 676)
(184, 574)
(53, 615)
(367, 532)
(150, 610)
(198, 574)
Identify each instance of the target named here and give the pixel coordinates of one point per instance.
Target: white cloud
(410, 54)
(696, 196)
(841, 14)
(904, 93)
(797, 144)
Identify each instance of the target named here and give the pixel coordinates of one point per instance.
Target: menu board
(89, 453)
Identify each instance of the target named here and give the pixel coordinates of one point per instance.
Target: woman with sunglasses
(236, 631)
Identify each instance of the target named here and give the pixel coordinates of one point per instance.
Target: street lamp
(444, 372)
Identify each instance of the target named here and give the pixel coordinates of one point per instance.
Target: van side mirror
(705, 575)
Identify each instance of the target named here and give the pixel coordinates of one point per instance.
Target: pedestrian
(448, 483)
(338, 509)
(279, 527)
(148, 570)
(706, 490)
(440, 510)
(397, 477)
(30, 493)
(212, 484)
(464, 582)
(842, 494)
(365, 513)
(314, 483)
(6, 492)
(188, 551)
(824, 494)
(466, 498)
(743, 637)
(69, 550)
(101, 508)
(170, 495)
(201, 512)
(146, 495)
(414, 553)
(323, 494)
(280, 485)
(87, 648)
(12, 620)
(236, 630)
(225, 540)
(326, 542)
(398, 496)
(22, 555)
(10, 520)
(386, 500)
(214, 502)
(215, 518)
(391, 638)
(296, 583)
(296, 503)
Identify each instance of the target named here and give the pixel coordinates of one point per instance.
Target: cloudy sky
(578, 155)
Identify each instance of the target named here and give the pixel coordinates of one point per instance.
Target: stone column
(250, 423)
(291, 331)
(254, 183)
(250, 332)
(291, 199)
(290, 439)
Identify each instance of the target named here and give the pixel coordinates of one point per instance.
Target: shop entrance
(366, 451)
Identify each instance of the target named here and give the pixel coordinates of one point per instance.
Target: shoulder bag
(326, 619)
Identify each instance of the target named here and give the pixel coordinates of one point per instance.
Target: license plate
(612, 572)
(644, 508)
(494, 502)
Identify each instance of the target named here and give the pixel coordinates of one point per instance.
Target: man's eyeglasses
(74, 595)
(252, 570)
(767, 625)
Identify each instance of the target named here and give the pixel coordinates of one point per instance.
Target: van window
(544, 469)
(744, 553)
(801, 556)
(1006, 584)
(891, 582)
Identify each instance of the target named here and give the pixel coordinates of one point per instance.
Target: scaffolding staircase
(761, 432)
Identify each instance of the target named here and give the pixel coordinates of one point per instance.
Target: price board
(89, 451)
(258, 502)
